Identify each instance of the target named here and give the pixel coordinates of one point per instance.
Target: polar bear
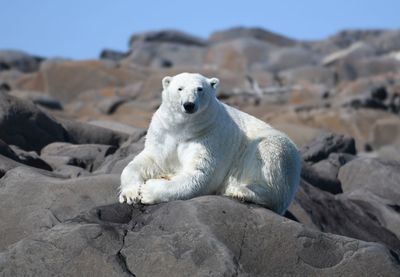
(197, 145)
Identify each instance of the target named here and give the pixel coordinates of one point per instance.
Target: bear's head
(189, 93)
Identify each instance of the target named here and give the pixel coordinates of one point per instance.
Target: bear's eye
(180, 88)
(199, 89)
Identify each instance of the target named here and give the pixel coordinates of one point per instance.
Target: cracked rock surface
(205, 236)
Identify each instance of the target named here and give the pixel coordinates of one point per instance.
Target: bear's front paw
(130, 195)
(151, 191)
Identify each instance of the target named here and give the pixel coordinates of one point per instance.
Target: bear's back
(251, 126)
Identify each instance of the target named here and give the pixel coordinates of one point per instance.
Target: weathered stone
(31, 201)
(86, 156)
(24, 125)
(322, 146)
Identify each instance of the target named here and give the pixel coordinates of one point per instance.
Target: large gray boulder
(381, 178)
(319, 148)
(32, 201)
(342, 215)
(165, 55)
(166, 48)
(205, 236)
(375, 185)
(25, 125)
(69, 249)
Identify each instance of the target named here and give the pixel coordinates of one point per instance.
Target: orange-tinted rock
(66, 80)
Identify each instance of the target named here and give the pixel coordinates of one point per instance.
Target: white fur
(215, 150)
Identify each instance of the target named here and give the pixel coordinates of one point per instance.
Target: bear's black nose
(189, 107)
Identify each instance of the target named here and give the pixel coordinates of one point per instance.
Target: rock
(353, 52)
(374, 184)
(340, 215)
(7, 164)
(357, 123)
(324, 174)
(394, 104)
(330, 167)
(385, 131)
(21, 61)
(165, 55)
(31, 201)
(322, 146)
(164, 49)
(239, 55)
(289, 58)
(84, 133)
(344, 39)
(211, 235)
(117, 126)
(365, 102)
(252, 33)
(70, 171)
(109, 105)
(86, 156)
(95, 103)
(30, 158)
(85, 75)
(115, 163)
(8, 79)
(376, 65)
(38, 98)
(367, 67)
(379, 93)
(381, 178)
(114, 55)
(6, 151)
(387, 42)
(90, 249)
(24, 125)
(389, 152)
(311, 73)
(168, 36)
(300, 134)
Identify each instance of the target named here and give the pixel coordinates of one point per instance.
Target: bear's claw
(130, 196)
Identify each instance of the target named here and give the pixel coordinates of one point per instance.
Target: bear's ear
(214, 82)
(166, 81)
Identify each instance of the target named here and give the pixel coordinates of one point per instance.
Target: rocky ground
(68, 128)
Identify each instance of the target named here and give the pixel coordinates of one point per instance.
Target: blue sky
(80, 29)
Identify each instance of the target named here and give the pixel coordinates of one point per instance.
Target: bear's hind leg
(280, 169)
(258, 194)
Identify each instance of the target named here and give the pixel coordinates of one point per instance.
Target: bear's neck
(187, 125)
